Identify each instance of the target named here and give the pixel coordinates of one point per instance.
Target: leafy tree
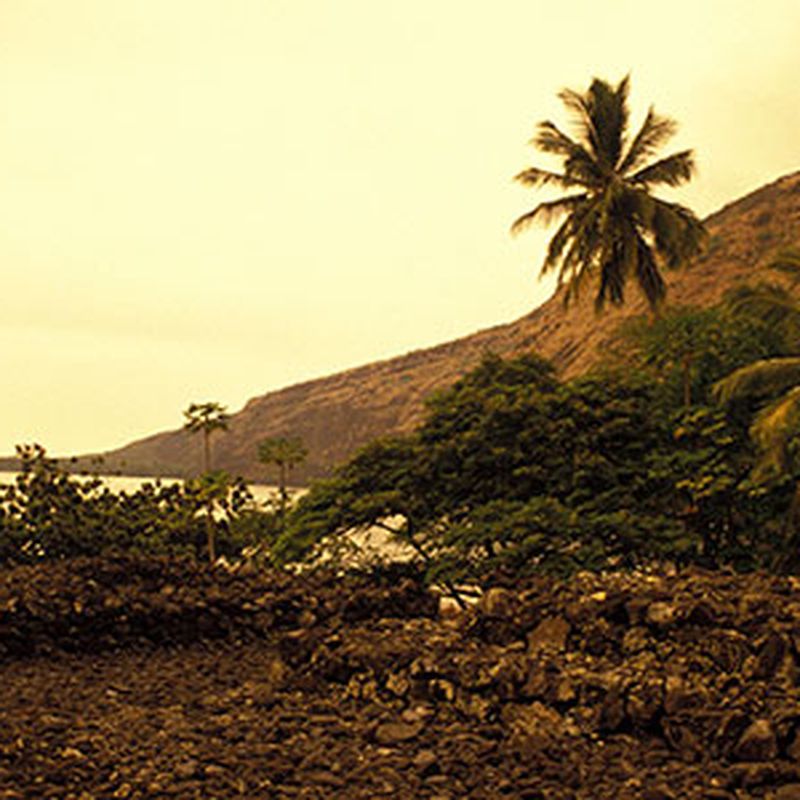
(374, 487)
(545, 535)
(687, 349)
(704, 469)
(478, 434)
(774, 429)
(50, 513)
(615, 228)
(509, 469)
(702, 476)
(285, 452)
(206, 418)
(615, 424)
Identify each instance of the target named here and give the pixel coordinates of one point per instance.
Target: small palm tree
(614, 229)
(285, 452)
(206, 418)
(211, 490)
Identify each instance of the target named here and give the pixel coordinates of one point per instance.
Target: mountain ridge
(337, 413)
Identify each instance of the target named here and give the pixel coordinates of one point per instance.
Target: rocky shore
(154, 679)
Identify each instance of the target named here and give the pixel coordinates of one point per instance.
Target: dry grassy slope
(337, 414)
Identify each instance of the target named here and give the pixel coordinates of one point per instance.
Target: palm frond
(573, 273)
(578, 161)
(534, 177)
(607, 109)
(764, 377)
(765, 301)
(612, 283)
(557, 244)
(576, 103)
(677, 232)
(547, 211)
(550, 138)
(788, 262)
(655, 132)
(576, 243)
(672, 170)
(601, 116)
(639, 204)
(647, 274)
(587, 252)
(772, 429)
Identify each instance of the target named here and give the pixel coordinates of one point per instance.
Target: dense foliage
(48, 513)
(513, 470)
(689, 349)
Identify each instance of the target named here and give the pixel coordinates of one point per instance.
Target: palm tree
(672, 342)
(777, 380)
(774, 425)
(211, 489)
(206, 417)
(771, 302)
(614, 229)
(285, 452)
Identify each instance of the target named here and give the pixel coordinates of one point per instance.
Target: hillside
(337, 414)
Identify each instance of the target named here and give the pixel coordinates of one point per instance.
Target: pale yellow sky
(208, 199)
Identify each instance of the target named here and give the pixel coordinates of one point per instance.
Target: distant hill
(337, 414)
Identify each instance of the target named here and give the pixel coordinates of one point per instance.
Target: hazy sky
(208, 199)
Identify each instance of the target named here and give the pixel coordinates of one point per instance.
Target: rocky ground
(156, 679)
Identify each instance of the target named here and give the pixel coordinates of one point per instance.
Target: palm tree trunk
(282, 493)
(686, 363)
(212, 557)
(282, 484)
(206, 450)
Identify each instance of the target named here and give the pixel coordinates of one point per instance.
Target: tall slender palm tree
(211, 490)
(285, 452)
(615, 229)
(206, 418)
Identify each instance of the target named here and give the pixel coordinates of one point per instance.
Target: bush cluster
(48, 513)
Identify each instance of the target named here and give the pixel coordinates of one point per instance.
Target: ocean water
(129, 483)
